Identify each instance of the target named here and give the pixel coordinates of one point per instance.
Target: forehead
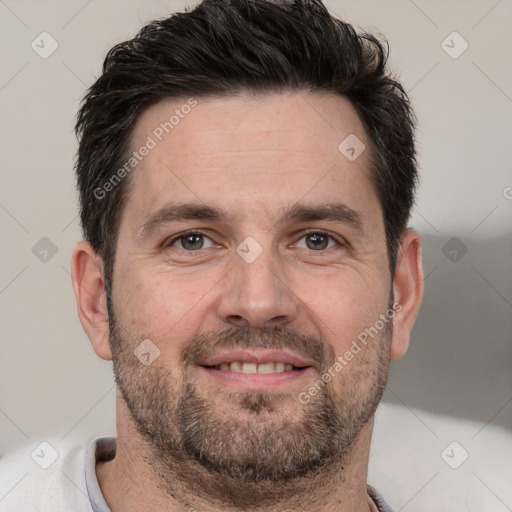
(306, 123)
(250, 152)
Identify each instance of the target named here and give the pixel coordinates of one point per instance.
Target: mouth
(257, 369)
(252, 368)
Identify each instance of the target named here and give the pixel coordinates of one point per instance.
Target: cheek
(344, 306)
(164, 306)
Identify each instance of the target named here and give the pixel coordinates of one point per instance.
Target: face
(252, 255)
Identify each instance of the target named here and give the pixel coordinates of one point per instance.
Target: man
(246, 173)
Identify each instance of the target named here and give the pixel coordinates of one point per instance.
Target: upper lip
(256, 356)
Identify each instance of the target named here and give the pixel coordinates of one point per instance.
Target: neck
(134, 481)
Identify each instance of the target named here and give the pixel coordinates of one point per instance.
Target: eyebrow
(337, 212)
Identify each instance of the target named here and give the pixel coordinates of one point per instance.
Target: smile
(251, 367)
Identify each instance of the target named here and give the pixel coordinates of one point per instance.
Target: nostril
(237, 320)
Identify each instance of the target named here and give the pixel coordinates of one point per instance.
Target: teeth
(250, 368)
(265, 368)
(235, 366)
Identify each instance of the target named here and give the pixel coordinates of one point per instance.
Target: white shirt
(420, 462)
(55, 477)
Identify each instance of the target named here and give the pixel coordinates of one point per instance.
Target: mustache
(275, 337)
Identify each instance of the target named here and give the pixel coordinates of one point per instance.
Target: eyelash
(168, 244)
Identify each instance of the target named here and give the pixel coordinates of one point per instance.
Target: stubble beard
(254, 455)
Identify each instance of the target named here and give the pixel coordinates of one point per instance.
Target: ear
(89, 285)
(407, 291)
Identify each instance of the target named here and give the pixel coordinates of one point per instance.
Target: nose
(257, 294)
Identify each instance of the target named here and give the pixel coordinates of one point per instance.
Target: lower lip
(256, 380)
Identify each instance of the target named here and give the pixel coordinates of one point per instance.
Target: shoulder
(428, 461)
(43, 477)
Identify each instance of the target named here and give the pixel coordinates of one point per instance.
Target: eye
(191, 241)
(318, 241)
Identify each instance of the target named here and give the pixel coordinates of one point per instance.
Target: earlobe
(89, 286)
(407, 291)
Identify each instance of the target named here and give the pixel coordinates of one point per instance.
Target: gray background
(459, 361)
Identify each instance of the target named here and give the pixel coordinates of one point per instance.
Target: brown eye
(191, 242)
(318, 241)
